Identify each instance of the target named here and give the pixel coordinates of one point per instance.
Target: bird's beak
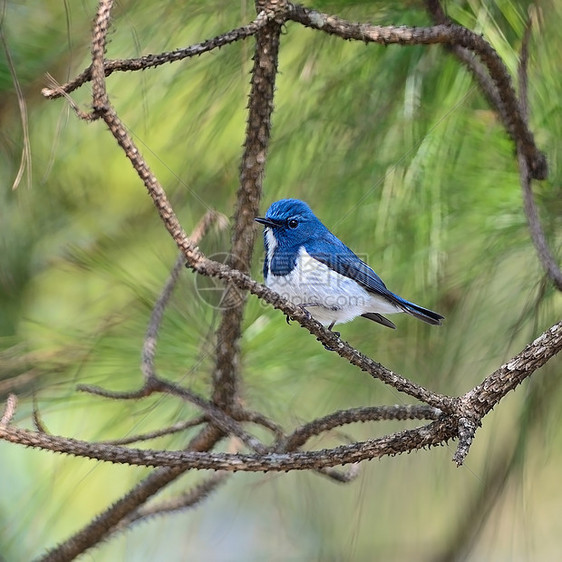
(265, 222)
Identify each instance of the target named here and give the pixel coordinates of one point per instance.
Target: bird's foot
(337, 334)
(306, 311)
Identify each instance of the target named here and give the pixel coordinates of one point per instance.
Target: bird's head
(292, 222)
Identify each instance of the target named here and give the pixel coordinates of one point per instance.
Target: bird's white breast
(327, 295)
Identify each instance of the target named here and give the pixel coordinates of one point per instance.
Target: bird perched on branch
(312, 268)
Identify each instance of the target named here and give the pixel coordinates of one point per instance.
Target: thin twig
(478, 70)
(522, 73)
(9, 410)
(142, 392)
(101, 526)
(341, 476)
(258, 419)
(176, 428)
(150, 339)
(448, 34)
(546, 257)
(252, 167)
(58, 89)
(466, 432)
(538, 237)
(215, 414)
(184, 501)
(151, 61)
(357, 415)
(37, 421)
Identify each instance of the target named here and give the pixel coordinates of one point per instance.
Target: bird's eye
(293, 223)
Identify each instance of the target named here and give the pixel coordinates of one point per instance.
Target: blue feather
(308, 264)
(337, 256)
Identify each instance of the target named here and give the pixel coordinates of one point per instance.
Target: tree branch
(449, 34)
(471, 408)
(435, 433)
(152, 61)
(546, 257)
(150, 339)
(102, 525)
(476, 403)
(451, 417)
(475, 67)
(492, 94)
(188, 499)
(199, 263)
(176, 428)
(356, 415)
(221, 419)
(258, 132)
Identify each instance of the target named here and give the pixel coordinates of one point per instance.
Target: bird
(308, 265)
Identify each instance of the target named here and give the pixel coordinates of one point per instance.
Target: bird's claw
(326, 346)
(337, 334)
(306, 312)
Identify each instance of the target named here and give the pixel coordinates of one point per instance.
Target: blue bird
(312, 268)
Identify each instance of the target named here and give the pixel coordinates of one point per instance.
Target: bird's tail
(421, 313)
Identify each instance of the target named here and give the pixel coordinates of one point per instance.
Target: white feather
(327, 295)
(271, 244)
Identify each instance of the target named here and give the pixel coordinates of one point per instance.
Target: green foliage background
(398, 153)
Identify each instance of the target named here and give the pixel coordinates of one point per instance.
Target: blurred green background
(398, 153)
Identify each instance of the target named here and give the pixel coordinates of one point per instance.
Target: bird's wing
(333, 253)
